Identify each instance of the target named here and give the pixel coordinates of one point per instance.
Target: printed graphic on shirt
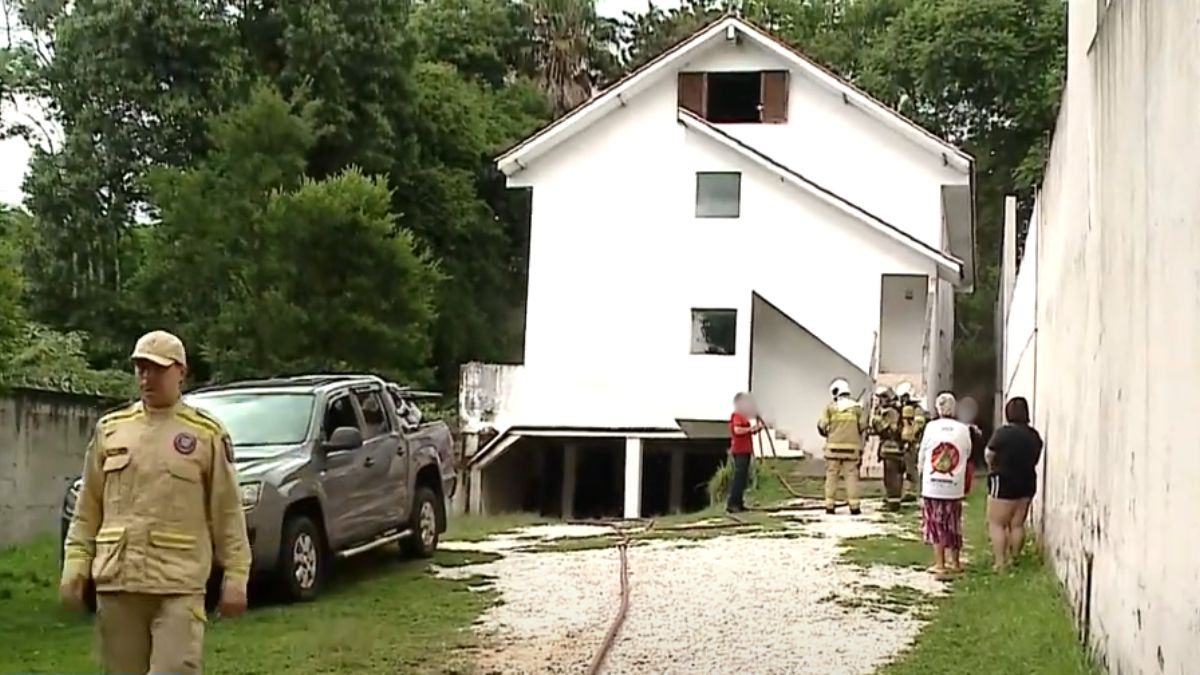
(945, 458)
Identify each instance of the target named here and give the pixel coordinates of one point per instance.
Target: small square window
(714, 331)
(718, 195)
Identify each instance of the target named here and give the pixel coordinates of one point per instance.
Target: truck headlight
(250, 494)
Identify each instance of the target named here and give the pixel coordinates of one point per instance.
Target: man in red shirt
(741, 449)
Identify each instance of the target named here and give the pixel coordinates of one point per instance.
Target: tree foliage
(309, 184)
(264, 269)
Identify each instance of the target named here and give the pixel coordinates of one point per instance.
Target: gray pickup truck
(329, 466)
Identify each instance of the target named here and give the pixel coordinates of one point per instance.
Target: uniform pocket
(110, 550)
(185, 491)
(176, 562)
(114, 478)
(184, 470)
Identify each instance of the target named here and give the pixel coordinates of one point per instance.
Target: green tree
(310, 274)
(130, 82)
(13, 234)
(568, 50)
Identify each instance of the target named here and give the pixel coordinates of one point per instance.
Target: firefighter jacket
(912, 423)
(843, 423)
(159, 498)
(885, 423)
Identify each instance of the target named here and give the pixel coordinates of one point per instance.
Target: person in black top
(1012, 458)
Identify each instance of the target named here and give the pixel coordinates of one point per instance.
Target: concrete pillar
(569, 476)
(475, 486)
(677, 459)
(633, 477)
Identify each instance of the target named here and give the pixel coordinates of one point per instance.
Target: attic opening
(736, 97)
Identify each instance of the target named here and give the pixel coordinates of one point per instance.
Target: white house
(729, 216)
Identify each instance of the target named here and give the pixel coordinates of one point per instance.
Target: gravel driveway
(777, 601)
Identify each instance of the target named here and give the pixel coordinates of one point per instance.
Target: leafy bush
(44, 358)
(718, 485)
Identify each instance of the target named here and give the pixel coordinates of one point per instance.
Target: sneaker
(856, 512)
(830, 510)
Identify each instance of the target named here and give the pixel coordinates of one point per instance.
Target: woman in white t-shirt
(943, 460)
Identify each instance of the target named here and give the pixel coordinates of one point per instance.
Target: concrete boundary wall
(1116, 347)
(43, 438)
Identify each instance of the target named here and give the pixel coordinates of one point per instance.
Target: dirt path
(774, 601)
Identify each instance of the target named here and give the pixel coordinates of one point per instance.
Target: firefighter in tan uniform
(842, 424)
(912, 425)
(159, 499)
(885, 423)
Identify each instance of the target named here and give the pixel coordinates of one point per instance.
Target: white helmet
(839, 387)
(904, 389)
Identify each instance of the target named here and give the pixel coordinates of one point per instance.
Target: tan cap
(160, 347)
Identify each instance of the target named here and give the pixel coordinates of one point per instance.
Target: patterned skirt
(941, 522)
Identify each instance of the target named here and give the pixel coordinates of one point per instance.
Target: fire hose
(611, 636)
(614, 628)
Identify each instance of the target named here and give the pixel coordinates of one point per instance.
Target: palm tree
(571, 50)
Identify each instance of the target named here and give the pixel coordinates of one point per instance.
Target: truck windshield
(256, 419)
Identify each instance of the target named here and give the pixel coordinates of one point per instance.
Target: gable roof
(952, 266)
(615, 96)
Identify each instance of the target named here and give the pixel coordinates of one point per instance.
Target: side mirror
(344, 438)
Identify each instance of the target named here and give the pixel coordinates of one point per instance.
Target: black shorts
(1008, 486)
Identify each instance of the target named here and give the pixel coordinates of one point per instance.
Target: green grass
(474, 527)
(886, 550)
(892, 599)
(379, 616)
(1015, 622)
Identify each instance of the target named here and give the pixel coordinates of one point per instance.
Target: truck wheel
(424, 525)
(301, 559)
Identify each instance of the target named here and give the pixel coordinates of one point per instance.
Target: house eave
(949, 267)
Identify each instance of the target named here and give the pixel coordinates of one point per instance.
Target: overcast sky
(14, 154)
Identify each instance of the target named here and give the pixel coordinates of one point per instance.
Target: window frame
(357, 395)
(700, 175)
(697, 313)
(359, 422)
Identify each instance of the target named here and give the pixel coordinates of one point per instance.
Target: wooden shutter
(691, 92)
(775, 96)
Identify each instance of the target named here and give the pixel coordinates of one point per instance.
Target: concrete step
(782, 446)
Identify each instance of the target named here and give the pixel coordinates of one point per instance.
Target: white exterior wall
(843, 149)
(940, 358)
(790, 376)
(1020, 347)
(1117, 302)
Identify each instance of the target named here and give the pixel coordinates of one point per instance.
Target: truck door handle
(369, 461)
